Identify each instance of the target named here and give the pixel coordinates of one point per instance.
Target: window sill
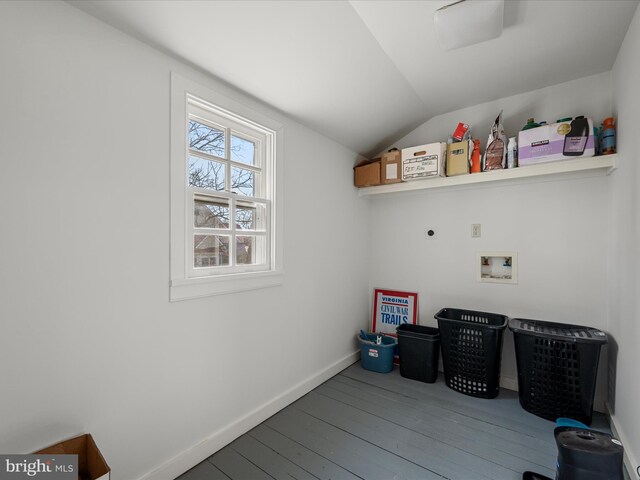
(184, 289)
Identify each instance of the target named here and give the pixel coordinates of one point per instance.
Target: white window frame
(264, 156)
(186, 280)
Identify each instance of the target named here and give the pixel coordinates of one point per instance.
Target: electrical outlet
(476, 231)
(430, 234)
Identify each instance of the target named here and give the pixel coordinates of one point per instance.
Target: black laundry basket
(557, 368)
(471, 345)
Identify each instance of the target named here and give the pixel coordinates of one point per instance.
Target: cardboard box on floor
(367, 173)
(91, 463)
(391, 167)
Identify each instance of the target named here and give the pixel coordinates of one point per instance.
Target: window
(228, 163)
(224, 203)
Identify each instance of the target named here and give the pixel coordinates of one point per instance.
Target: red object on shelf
(461, 129)
(475, 157)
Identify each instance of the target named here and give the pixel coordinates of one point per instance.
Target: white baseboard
(630, 460)
(207, 447)
(509, 383)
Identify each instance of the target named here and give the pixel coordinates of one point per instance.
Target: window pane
(250, 216)
(250, 250)
(243, 182)
(211, 213)
(206, 173)
(210, 250)
(242, 150)
(206, 139)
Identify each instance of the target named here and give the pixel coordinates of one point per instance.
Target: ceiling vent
(467, 22)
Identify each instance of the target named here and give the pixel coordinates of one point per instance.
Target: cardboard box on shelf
(367, 173)
(458, 156)
(423, 161)
(558, 141)
(91, 463)
(391, 167)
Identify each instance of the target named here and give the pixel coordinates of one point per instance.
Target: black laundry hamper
(557, 368)
(471, 344)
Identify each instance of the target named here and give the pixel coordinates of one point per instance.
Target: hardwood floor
(366, 425)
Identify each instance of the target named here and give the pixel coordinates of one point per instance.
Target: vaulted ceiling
(365, 73)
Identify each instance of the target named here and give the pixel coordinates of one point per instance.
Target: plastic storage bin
(419, 352)
(557, 367)
(377, 357)
(472, 350)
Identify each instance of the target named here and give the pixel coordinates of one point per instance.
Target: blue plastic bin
(377, 357)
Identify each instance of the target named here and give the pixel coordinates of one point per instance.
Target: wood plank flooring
(371, 426)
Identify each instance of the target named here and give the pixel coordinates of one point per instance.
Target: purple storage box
(558, 141)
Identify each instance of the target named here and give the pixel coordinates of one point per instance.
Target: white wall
(557, 227)
(624, 250)
(90, 342)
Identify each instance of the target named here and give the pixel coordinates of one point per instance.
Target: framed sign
(392, 308)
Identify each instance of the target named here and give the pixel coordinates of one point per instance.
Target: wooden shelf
(606, 163)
